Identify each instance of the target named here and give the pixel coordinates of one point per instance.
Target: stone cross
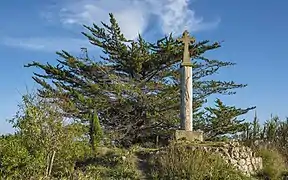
(186, 39)
(186, 113)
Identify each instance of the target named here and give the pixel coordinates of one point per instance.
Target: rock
(235, 153)
(251, 169)
(225, 152)
(253, 161)
(242, 162)
(245, 169)
(123, 158)
(233, 161)
(259, 163)
(248, 161)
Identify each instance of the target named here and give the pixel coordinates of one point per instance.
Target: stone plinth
(189, 135)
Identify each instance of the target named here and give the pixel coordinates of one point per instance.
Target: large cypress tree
(134, 86)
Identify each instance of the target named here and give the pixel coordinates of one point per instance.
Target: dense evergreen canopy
(133, 89)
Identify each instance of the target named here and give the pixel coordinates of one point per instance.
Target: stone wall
(243, 158)
(239, 156)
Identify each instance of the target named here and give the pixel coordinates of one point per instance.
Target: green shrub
(16, 162)
(110, 164)
(274, 165)
(180, 162)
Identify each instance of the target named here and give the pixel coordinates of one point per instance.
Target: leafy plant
(43, 145)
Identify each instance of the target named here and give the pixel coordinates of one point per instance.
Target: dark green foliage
(134, 87)
(271, 127)
(256, 129)
(95, 131)
(253, 132)
(222, 120)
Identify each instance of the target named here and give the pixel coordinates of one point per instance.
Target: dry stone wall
(241, 157)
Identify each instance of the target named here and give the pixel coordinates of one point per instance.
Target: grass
(179, 162)
(110, 164)
(274, 166)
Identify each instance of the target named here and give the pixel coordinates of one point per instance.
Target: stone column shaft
(186, 98)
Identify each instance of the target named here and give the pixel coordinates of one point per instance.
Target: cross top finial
(186, 39)
(186, 33)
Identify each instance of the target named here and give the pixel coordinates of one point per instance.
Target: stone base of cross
(188, 135)
(186, 113)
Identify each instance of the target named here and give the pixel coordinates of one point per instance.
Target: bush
(274, 166)
(179, 162)
(16, 162)
(110, 164)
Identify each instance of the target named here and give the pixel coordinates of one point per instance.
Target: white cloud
(47, 44)
(176, 17)
(133, 15)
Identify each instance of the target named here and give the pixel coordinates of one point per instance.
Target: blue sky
(255, 36)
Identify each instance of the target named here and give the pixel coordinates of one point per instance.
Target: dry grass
(179, 162)
(274, 166)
